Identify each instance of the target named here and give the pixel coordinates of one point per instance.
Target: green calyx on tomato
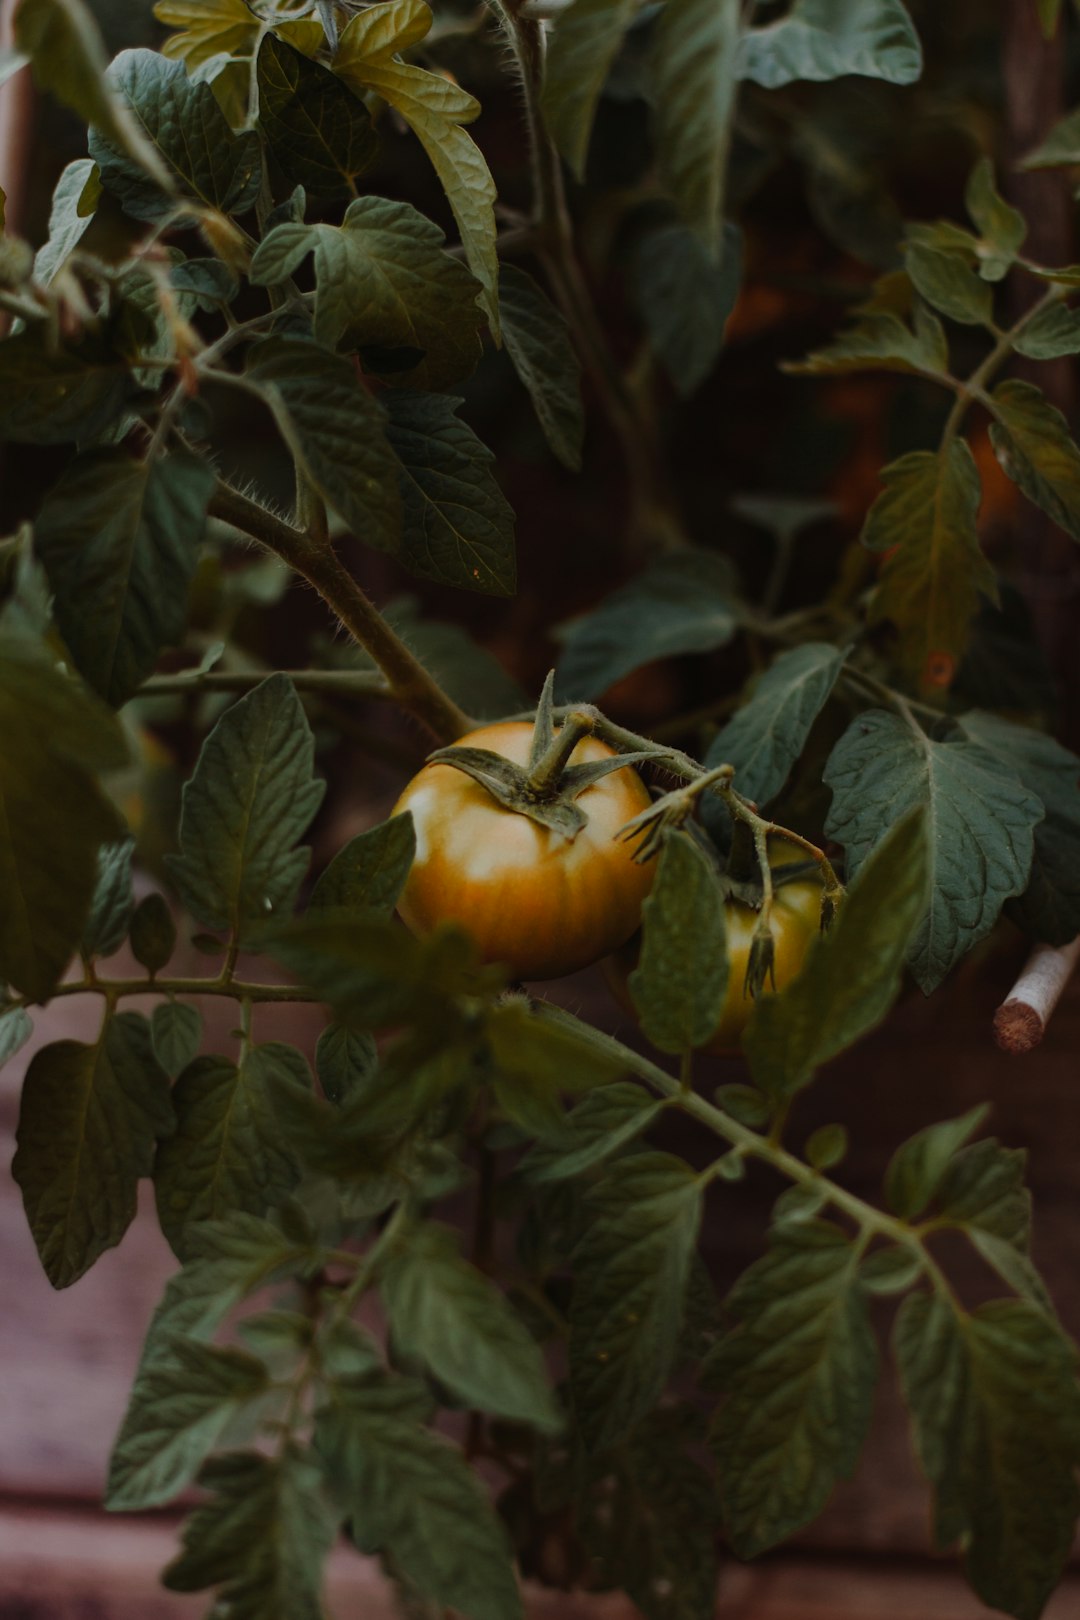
(515, 841)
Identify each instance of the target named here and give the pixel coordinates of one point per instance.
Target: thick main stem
(410, 683)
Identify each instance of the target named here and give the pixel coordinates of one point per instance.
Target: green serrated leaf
(1052, 332)
(851, 974)
(798, 1374)
(61, 37)
(175, 1416)
(880, 769)
(880, 341)
(827, 39)
(385, 283)
(583, 46)
(412, 1497)
(930, 584)
(995, 1410)
(446, 1314)
(538, 342)
(176, 1027)
(119, 539)
(694, 67)
(202, 158)
(1049, 908)
(152, 933)
(458, 527)
(334, 430)
(319, 132)
(682, 603)
(113, 902)
(262, 1537)
(681, 979)
(88, 1121)
(602, 1124)
(768, 734)
(685, 296)
(1061, 148)
(228, 1152)
(630, 1276)
(916, 1168)
(250, 798)
(1002, 229)
(983, 1193)
(53, 816)
(435, 109)
(56, 393)
(346, 1061)
(540, 1058)
(369, 873)
(1032, 442)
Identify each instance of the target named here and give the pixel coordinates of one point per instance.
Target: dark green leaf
(369, 873)
(827, 1146)
(880, 341)
(1049, 908)
(175, 1416)
(346, 1060)
(385, 284)
(153, 933)
(798, 1374)
(119, 539)
(472, 675)
(935, 571)
(113, 902)
(916, 1168)
(685, 297)
(1032, 441)
(228, 1152)
(458, 527)
(681, 979)
(851, 974)
(446, 1314)
(891, 1271)
(209, 282)
(248, 802)
(983, 1193)
(320, 133)
(1061, 148)
(584, 45)
(826, 39)
(53, 394)
(881, 768)
(87, 1125)
(996, 1414)
(177, 1033)
(334, 429)
(412, 1496)
(262, 1537)
(1002, 229)
(532, 1051)
(538, 342)
(745, 1104)
(695, 61)
(67, 219)
(682, 603)
(630, 1275)
(603, 1123)
(768, 734)
(948, 282)
(53, 816)
(180, 117)
(1051, 333)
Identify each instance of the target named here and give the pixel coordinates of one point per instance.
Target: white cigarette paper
(1020, 1022)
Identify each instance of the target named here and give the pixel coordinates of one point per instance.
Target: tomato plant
(366, 361)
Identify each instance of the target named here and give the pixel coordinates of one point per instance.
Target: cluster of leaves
(213, 245)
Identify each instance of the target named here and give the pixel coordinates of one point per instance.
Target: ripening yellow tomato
(796, 919)
(542, 904)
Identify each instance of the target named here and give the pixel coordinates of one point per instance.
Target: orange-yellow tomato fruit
(542, 904)
(796, 919)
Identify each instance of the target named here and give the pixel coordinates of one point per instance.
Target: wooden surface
(68, 1357)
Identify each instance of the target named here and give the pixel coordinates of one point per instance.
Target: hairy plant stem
(653, 522)
(871, 1222)
(224, 985)
(410, 683)
(319, 682)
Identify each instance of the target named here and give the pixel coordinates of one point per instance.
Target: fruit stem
(543, 780)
